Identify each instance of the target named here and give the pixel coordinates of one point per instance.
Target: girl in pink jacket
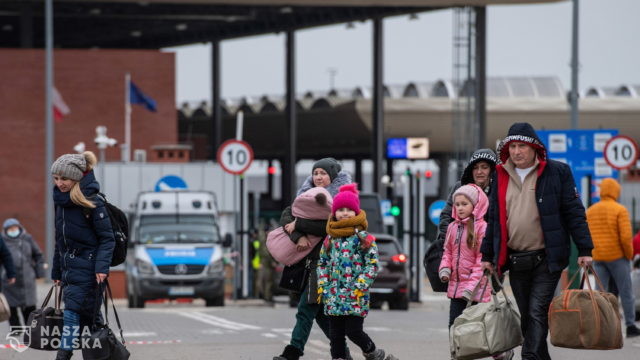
(461, 261)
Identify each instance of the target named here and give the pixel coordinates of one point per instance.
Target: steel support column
(481, 76)
(573, 95)
(216, 110)
(289, 165)
(377, 112)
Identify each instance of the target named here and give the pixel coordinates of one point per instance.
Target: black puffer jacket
(84, 246)
(562, 215)
(467, 178)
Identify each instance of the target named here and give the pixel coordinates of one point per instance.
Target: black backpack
(120, 227)
(431, 264)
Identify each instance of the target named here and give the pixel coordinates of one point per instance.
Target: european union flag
(138, 97)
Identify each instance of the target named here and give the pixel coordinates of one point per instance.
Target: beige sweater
(523, 219)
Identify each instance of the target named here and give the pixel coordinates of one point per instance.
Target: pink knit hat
(470, 191)
(347, 197)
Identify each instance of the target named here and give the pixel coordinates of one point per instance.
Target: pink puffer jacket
(465, 263)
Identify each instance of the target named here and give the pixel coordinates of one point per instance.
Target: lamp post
(103, 142)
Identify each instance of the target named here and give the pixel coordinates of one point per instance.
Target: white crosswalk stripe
(218, 321)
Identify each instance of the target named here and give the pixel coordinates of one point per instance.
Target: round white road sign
(621, 152)
(235, 156)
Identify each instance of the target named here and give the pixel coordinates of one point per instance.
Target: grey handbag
(486, 329)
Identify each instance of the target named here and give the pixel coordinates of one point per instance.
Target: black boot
(64, 354)
(290, 353)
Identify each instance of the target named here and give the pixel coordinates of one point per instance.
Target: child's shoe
(377, 354)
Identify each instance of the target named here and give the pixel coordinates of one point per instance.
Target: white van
(176, 250)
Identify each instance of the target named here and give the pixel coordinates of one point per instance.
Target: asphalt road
(251, 330)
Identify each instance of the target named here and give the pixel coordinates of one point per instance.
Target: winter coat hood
(609, 189)
(313, 204)
(343, 178)
(522, 132)
(480, 209)
(479, 155)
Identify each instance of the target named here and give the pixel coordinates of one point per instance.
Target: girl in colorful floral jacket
(347, 267)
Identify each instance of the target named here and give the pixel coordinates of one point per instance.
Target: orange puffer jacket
(609, 225)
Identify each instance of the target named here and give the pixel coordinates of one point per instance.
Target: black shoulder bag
(45, 324)
(102, 344)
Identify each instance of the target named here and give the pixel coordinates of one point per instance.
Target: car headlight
(144, 267)
(216, 267)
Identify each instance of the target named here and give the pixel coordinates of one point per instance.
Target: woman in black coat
(84, 243)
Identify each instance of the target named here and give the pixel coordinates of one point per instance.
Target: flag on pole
(136, 96)
(60, 108)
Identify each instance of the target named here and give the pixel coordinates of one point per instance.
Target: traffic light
(272, 170)
(395, 210)
(428, 174)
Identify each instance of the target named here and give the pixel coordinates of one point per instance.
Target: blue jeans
(70, 330)
(620, 271)
(534, 291)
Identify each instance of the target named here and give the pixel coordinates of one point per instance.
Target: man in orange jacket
(611, 232)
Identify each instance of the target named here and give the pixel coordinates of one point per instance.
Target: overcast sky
(525, 40)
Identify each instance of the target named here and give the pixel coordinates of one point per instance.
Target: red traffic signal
(272, 170)
(428, 174)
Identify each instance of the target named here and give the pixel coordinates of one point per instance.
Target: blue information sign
(435, 209)
(582, 150)
(170, 182)
(397, 148)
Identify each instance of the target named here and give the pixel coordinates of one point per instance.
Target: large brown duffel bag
(585, 318)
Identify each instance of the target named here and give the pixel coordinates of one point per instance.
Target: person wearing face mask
(29, 265)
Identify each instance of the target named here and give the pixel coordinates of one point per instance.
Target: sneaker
(377, 354)
(633, 331)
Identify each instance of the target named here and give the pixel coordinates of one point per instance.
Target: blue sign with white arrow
(435, 209)
(171, 182)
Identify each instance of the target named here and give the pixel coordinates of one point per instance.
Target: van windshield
(159, 229)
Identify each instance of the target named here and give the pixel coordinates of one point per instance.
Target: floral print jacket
(345, 273)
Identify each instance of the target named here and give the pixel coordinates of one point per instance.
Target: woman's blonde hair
(77, 197)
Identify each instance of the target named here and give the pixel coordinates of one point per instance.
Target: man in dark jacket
(534, 210)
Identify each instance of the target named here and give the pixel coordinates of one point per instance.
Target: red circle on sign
(223, 147)
(633, 143)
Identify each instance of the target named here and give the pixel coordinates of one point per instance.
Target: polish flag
(60, 108)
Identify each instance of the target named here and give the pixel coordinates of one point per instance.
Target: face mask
(13, 233)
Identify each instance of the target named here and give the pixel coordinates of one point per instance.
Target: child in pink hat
(347, 267)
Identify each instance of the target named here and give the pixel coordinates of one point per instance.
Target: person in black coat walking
(84, 243)
(29, 264)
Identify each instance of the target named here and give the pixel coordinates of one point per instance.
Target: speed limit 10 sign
(621, 152)
(235, 156)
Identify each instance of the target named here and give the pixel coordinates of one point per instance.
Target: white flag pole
(126, 148)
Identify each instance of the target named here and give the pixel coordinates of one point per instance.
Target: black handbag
(294, 276)
(45, 324)
(102, 343)
(431, 262)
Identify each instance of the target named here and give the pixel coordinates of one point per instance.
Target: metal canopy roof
(152, 24)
